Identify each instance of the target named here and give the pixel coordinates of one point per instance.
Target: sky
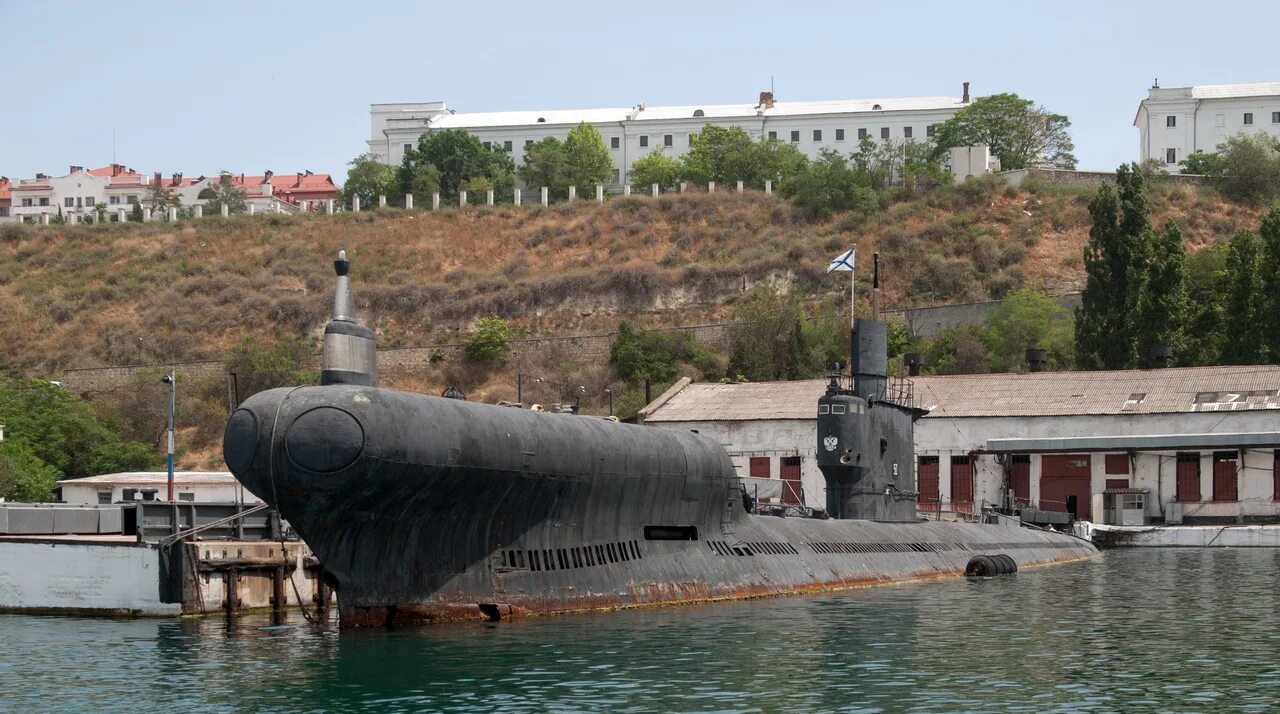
(248, 86)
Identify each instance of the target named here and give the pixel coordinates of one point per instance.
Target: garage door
(1064, 483)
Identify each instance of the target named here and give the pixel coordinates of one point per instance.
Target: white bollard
(599, 193)
(252, 209)
(488, 197)
(120, 215)
(739, 186)
(462, 198)
(435, 201)
(573, 192)
(408, 200)
(146, 215)
(355, 204)
(684, 185)
(515, 196)
(173, 214)
(545, 197)
(226, 210)
(653, 190)
(44, 218)
(768, 185)
(382, 201)
(328, 207)
(199, 211)
(711, 187)
(626, 189)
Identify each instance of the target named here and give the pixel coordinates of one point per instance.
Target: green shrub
(489, 342)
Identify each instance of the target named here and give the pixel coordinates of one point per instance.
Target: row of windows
(78, 202)
(668, 140)
(1219, 120)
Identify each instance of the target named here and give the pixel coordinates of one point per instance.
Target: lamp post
(171, 380)
(520, 377)
(609, 391)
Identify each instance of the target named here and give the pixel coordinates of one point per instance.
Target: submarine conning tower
(349, 354)
(865, 436)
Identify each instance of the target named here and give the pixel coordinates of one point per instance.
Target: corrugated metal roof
(1185, 389)
(1218, 91)
(709, 111)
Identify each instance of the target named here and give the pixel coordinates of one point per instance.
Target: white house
(1175, 121)
(75, 195)
(1197, 443)
(631, 133)
(194, 486)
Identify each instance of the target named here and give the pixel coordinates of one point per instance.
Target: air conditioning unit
(1173, 513)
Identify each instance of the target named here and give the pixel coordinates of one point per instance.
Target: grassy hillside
(81, 296)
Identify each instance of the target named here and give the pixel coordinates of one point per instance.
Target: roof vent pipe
(1159, 356)
(1036, 359)
(964, 99)
(915, 363)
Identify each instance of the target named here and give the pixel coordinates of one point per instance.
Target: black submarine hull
(425, 509)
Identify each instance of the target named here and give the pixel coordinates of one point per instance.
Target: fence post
(435, 201)
(462, 198)
(252, 209)
(626, 189)
(544, 196)
(226, 210)
(408, 200)
(515, 196)
(328, 207)
(488, 197)
(599, 193)
(768, 185)
(653, 190)
(44, 218)
(120, 215)
(382, 201)
(197, 211)
(146, 215)
(355, 204)
(573, 192)
(684, 186)
(173, 214)
(739, 185)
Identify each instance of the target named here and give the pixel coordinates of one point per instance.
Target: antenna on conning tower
(349, 355)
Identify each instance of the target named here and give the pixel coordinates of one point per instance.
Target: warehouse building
(1192, 444)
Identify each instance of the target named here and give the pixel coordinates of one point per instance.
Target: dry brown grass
(79, 296)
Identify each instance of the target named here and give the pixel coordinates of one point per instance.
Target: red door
(927, 480)
(791, 480)
(1188, 490)
(961, 484)
(1224, 476)
(1064, 482)
(1020, 478)
(759, 467)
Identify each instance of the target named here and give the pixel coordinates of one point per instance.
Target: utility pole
(171, 380)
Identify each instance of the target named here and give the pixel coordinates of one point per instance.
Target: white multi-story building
(635, 132)
(1175, 121)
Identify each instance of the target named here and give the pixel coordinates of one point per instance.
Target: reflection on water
(1138, 629)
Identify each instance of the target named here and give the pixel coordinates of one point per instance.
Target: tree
(718, 153)
(586, 159)
(1114, 260)
(23, 475)
(830, 184)
(1205, 274)
(369, 178)
(771, 338)
(544, 165)
(1201, 162)
(961, 349)
(160, 198)
(260, 364)
(1244, 342)
(1017, 131)
(1247, 168)
(489, 341)
(1162, 303)
(1028, 317)
(135, 213)
(639, 354)
(223, 193)
(773, 160)
(657, 167)
(1269, 277)
(457, 157)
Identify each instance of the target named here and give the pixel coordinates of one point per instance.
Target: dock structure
(153, 559)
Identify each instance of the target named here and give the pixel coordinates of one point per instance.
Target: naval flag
(843, 262)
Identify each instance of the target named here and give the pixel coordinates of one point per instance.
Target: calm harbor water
(1135, 630)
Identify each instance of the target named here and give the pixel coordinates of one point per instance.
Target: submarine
(430, 509)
